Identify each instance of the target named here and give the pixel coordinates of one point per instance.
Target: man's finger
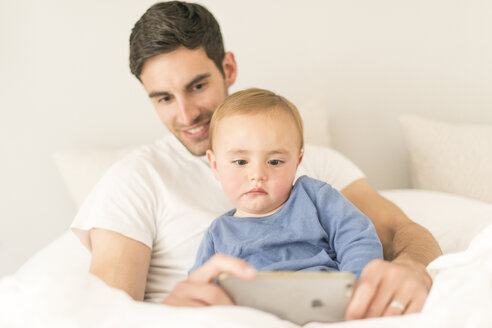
(380, 302)
(417, 303)
(175, 301)
(208, 293)
(359, 303)
(389, 290)
(221, 263)
(398, 304)
(365, 291)
(408, 296)
(198, 294)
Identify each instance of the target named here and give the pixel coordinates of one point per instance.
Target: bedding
(453, 220)
(54, 288)
(453, 158)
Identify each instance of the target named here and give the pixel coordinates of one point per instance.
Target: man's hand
(199, 290)
(389, 288)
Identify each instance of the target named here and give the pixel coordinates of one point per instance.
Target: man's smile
(196, 131)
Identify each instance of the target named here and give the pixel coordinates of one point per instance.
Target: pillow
(454, 158)
(81, 169)
(453, 220)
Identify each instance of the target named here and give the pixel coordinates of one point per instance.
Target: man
(144, 220)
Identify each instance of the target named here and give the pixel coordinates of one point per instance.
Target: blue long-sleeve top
(317, 229)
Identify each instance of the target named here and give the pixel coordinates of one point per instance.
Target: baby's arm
(199, 289)
(351, 234)
(205, 252)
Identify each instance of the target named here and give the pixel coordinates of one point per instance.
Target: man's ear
(301, 154)
(213, 162)
(230, 68)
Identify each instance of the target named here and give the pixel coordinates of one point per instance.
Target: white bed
(54, 289)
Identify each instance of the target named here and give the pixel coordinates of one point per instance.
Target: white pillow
(82, 168)
(454, 158)
(453, 220)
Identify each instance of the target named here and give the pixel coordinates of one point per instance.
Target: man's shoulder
(314, 150)
(328, 165)
(138, 165)
(157, 154)
(315, 155)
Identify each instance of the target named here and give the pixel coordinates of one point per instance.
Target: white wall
(65, 83)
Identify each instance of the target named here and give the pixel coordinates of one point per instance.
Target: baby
(256, 145)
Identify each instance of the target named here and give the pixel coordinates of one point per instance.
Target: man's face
(185, 87)
(255, 158)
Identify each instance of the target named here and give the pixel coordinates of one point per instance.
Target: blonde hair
(256, 101)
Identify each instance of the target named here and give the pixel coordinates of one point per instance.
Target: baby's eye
(240, 162)
(275, 162)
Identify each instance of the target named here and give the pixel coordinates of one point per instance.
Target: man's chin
(198, 153)
(198, 148)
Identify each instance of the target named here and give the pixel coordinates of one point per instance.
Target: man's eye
(275, 162)
(198, 86)
(164, 99)
(240, 162)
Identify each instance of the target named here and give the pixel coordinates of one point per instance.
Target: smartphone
(300, 297)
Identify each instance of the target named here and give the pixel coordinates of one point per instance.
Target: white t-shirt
(165, 197)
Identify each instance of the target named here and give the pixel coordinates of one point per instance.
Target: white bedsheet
(53, 289)
(461, 297)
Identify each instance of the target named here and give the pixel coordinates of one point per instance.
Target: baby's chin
(256, 212)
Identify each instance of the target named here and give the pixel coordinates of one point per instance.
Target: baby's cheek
(231, 185)
(282, 188)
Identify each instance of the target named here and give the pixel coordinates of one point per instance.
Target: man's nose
(187, 111)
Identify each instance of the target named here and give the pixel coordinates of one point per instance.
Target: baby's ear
(212, 162)
(301, 154)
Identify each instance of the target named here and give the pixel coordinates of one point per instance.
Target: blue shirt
(317, 229)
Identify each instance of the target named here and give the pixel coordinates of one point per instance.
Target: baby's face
(255, 158)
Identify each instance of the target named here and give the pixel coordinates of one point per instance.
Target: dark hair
(167, 26)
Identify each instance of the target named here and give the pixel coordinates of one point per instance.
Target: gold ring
(397, 305)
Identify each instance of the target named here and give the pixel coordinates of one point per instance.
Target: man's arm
(409, 247)
(119, 261)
